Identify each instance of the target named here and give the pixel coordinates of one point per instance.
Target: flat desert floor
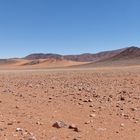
(87, 104)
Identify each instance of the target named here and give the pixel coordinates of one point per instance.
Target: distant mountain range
(126, 53)
(122, 57)
(125, 56)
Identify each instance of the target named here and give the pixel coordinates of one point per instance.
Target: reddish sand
(103, 103)
(39, 63)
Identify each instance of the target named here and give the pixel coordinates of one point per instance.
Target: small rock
(19, 130)
(122, 98)
(88, 122)
(122, 124)
(10, 123)
(39, 123)
(59, 124)
(80, 103)
(72, 126)
(77, 129)
(133, 109)
(90, 100)
(85, 101)
(92, 115)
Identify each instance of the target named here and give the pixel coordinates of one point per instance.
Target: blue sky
(67, 26)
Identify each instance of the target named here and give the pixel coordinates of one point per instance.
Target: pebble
(19, 130)
(74, 127)
(92, 115)
(59, 124)
(122, 124)
(90, 100)
(10, 123)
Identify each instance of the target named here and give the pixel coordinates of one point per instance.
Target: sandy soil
(101, 103)
(38, 64)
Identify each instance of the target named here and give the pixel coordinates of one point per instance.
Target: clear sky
(67, 26)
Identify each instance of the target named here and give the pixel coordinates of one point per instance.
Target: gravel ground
(82, 104)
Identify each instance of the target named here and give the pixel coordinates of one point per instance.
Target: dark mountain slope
(87, 57)
(129, 56)
(42, 56)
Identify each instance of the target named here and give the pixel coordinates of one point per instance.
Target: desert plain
(100, 103)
